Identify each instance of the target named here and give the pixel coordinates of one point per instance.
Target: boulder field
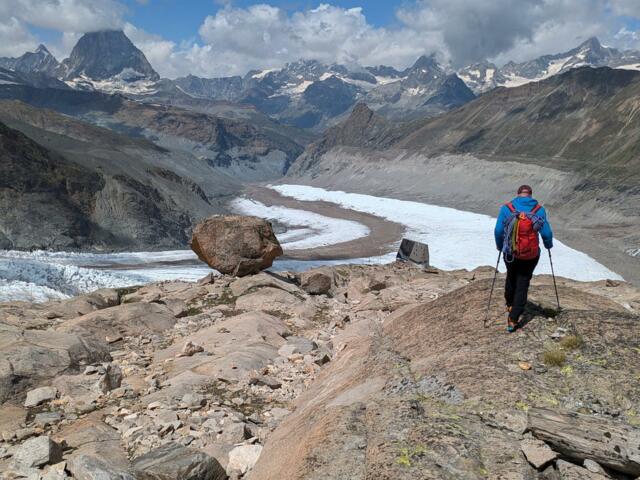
(345, 372)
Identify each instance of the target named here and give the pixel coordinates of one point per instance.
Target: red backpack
(521, 233)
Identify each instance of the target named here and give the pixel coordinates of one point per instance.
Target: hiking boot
(512, 325)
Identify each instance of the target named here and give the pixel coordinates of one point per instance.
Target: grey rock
(297, 345)
(242, 458)
(37, 452)
(55, 472)
(193, 400)
(570, 471)
(176, 462)
(39, 395)
(24, 352)
(593, 467)
(47, 418)
(89, 467)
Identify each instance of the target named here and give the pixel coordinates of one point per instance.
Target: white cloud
(264, 36)
(67, 15)
(629, 8)
(15, 38)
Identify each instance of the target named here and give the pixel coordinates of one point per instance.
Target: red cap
(525, 188)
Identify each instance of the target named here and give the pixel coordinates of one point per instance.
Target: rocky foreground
(351, 372)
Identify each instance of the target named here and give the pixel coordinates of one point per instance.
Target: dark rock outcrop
(105, 54)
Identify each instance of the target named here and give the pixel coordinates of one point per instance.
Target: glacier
(457, 239)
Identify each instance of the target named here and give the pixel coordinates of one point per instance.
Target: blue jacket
(523, 204)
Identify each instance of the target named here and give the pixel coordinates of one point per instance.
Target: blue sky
(230, 37)
(178, 22)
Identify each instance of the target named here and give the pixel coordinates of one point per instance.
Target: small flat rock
(47, 418)
(37, 452)
(570, 471)
(177, 462)
(524, 366)
(593, 467)
(243, 458)
(538, 453)
(40, 395)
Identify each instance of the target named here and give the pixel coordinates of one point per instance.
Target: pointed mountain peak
(426, 62)
(105, 54)
(42, 49)
(361, 110)
(592, 43)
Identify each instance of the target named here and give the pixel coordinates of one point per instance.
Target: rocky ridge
(335, 370)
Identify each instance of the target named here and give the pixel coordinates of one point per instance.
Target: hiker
(519, 223)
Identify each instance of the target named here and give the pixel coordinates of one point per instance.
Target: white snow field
(456, 239)
(318, 230)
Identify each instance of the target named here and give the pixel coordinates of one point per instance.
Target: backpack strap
(510, 206)
(536, 208)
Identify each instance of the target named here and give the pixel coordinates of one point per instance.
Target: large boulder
(235, 244)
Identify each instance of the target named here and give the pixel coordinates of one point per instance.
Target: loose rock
(40, 395)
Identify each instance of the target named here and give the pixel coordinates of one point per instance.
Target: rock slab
(176, 462)
(235, 244)
(537, 452)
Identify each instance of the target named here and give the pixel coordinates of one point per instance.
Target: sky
(214, 38)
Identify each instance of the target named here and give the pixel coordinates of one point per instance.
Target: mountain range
(305, 94)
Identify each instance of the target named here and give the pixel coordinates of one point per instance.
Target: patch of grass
(225, 298)
(571, 342)
(522, 406)
(407, 455)
(567, 370)
(554, 357)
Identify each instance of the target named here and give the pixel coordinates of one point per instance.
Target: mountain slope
(583, 119)
(247, 150)
(147, 197)
(45, 200)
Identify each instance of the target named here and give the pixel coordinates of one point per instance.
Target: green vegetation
(554, 357)
(407, 455)
(571, 342)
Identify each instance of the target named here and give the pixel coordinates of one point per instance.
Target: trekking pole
(493, 283)
(554, 279)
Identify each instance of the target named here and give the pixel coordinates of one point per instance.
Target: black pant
(516, 287)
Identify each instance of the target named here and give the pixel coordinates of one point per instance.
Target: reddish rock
(235, 244)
